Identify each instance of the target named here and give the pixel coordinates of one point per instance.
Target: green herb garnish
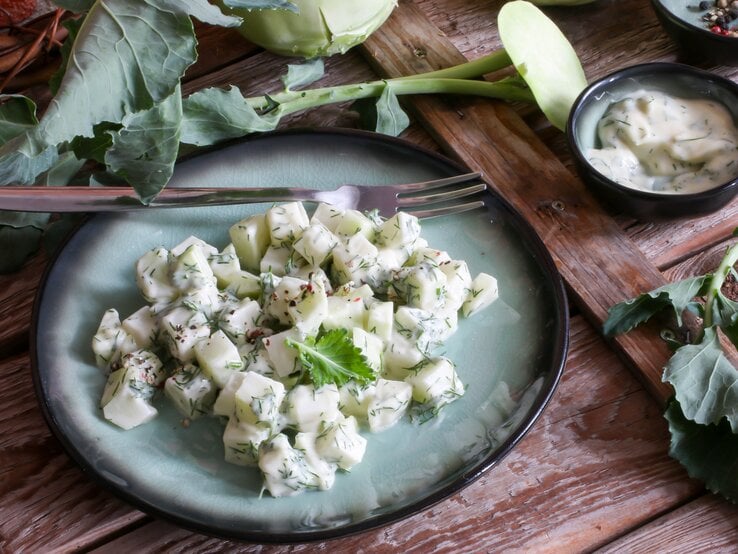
(332, 358)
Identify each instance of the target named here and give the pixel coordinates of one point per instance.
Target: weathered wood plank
(47, 501)
(592, 468)
(16, 301)
(708, 524)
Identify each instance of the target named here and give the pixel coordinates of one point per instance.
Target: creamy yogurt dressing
(660, 143)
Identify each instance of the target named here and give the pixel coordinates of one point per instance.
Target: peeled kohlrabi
(310, 28)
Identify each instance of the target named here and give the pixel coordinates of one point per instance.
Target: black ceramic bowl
(674, 79)
(681, 19)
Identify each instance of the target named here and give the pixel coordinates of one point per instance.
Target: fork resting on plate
(423, 199)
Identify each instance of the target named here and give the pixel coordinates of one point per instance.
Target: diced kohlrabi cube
(307, 407)
(482, 293)
(353, 223)
(400, 230)
(142, 326)
(284, 359)
(128, 391)
(436, 383)
(224, 263)
(315, 244)
(182, 329)
(389, 403)
(191, 270)
(250, 238)
(111, 341)
(371, 347)
(328, 215)
(218, 357)
(286, 222)
(259, 399)
(241, 442)
(380, 319)
(340, 442)
(190, 391)
(152, 277)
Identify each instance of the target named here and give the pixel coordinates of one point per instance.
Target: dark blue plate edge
(553, 373)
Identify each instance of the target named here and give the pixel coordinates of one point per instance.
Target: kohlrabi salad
(302, 334)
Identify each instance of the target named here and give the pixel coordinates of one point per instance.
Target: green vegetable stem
(703, 414)
(118, 103)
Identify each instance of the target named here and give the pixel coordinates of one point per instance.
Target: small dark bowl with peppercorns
(704, 30)
(657, 140)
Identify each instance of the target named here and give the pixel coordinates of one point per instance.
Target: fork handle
(120, 199)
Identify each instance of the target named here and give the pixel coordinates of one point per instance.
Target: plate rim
(536, 248)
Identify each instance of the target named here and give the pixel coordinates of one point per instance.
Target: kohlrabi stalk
(460, 79)
(716, 283)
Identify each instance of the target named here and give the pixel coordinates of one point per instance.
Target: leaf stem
(459, 79)
(290, 102)
(716, 283)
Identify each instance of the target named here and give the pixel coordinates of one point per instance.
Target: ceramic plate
(510, 356)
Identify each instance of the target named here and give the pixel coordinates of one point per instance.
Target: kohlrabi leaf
(145, 149)
(72, 25)
(705, 382)
(95, 147)
(333, 358)
(625, 316)
(300, 75)
(391, 118)
(708, 452)
(213, 115)
(17, 115)
(18, 168)
(126, 57)
(725, 315)
(20, 234)
(543, 57)
(262, 5)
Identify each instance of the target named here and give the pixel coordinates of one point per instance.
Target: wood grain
(708, 524)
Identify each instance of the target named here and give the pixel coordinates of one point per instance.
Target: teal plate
(510, 356)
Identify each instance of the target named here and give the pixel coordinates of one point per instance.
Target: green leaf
(300, 75)
(17, 167)
(391, 118)
(72, 25)
(625, 316)
(213, 115)
(17, 244)
(17, 115)
(708, 452)
(94, 147)
(705, 382)
(333, 359)
(144, 151)
(262, 5)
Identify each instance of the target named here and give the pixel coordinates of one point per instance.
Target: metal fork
(424, 199)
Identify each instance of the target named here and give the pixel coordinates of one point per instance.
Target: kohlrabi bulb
(321, 28)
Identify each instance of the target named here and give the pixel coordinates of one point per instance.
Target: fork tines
(408, 200)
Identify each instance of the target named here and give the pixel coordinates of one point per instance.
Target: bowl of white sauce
(658, 140)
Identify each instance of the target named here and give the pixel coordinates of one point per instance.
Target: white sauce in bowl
(660, 143)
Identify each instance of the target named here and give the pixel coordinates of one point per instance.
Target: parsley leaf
(333, 358)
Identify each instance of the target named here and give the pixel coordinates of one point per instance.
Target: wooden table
(594, 472)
